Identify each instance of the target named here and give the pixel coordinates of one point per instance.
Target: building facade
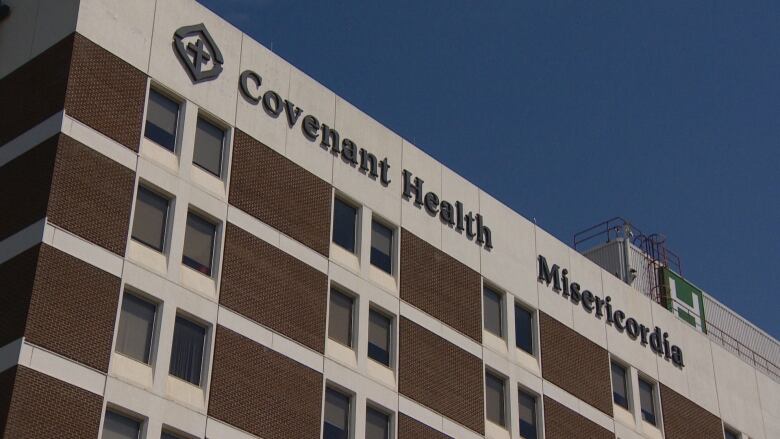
(198, 240)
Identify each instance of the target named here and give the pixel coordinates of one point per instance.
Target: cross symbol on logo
(197, 55)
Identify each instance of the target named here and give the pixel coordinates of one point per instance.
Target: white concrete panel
(33, 27)
(9, 354)
(253, 226)
(367, 133)
(22, 240)
(453, 242)
(769, 395)
(56, 19)
(303, 253)
(252, 118)
(297, 352)
(551, 302)
(454, 429)
(99, 142)
(416, 218)
(123, 28)
(218, 95)
(86, 251)
(247, 328)
(588, 275)
(67, 370)
(30, 138)
(440, 329)
(17, 34)
(314, 99)
(636, 306)
(158, 410)
(420, 413)
(218, 429)
(511, 264)
(696, 355)
(738, 393)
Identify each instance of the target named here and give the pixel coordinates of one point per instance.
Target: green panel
(686, 293)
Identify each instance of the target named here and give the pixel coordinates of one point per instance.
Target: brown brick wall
(441, 286)
(45, 407)
(263, 392)
(25, 183)
(684, 419)
(560, 422)
(409, 428)
(73, 308)
(7, 379)
(440, 375)
(575, 364)
(34, 91)
(280, 193)
(106, 93)
(91, 195)
(273, 288)
(16, 277)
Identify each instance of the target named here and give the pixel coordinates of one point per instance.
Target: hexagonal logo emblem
(198, 52)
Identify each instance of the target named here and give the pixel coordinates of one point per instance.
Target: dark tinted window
(336, 425)
(151, 215)
(187, 350)
(377, 424)
(491, 305)
(381, 247)
(647, 401)
(162, 116)
(209, 142)
(166, 435)
(117, 426)
(344, 225)
(527, 415)
(199, 244)
(340, 318)
(730, 434)
(524, 329)
(136, 326)
(619, 385)
(494, 399)
(379, 337)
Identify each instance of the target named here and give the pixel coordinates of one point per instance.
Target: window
(209, 143)
(340, 320)
(647, 401)
(136, 327)
(116, 426)
(344, 225)
(382, 247)
(379, 333)
(336, 425)
(151, 216)
(491, 304)
(494, 399)
(162, 118)
(527, 415)
(187, 350)
(377, 424)
(167, 435)
(620, 385)
(524, 329)
(199, 244)
(730, 434)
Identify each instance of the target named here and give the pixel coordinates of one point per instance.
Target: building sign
(363, 160)
(202, 59)
(684, 299)
(198, 52)
(655, 338)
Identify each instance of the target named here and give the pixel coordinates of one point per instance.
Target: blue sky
(665, 113)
